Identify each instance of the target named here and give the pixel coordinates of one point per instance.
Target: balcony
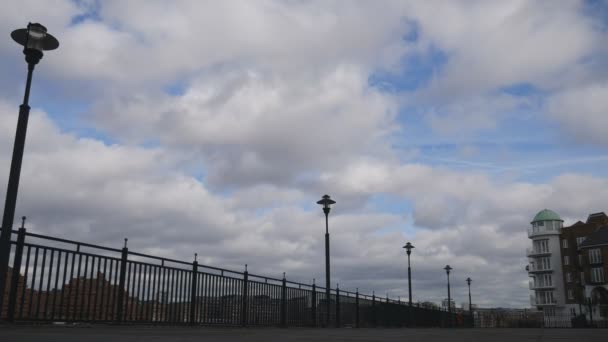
(538, 269)
(540, 302)
(544, 230)
(545, 303)
(532, 286)
(531, 252)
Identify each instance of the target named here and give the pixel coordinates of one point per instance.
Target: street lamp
(447, 269)
(326, 202)
(408, 247)
(469, 283)
(35, 40)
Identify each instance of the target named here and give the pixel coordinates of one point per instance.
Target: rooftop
(546, 215)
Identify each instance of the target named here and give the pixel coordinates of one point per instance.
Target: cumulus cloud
(581, 112)
(226, 121)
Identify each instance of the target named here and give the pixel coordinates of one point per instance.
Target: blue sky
(437, 123)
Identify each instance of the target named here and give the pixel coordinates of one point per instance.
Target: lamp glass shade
(36, 37)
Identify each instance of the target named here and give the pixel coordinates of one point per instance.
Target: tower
(545, 265)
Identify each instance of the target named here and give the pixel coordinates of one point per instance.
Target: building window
(597, 275)
(540, 224)
(580, 260)
(541, 246)
(543, 281)
(570, 294)
(569, 277)
(545, 264)
(566, 260)
(595, 256)
(580, 240)
(582, 278)
(564, 243)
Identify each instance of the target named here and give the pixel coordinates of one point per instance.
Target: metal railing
(59, 280)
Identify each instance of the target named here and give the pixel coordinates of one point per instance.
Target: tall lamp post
(326, 202)
(408, 247)
(447, 269)
(35, 40)
(469, 283)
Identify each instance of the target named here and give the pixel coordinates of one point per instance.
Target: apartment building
(566, 265)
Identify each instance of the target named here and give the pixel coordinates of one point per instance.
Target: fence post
(284, 302)
(12, 297)
(590, 312)
(374, 318)
(193, 290)
(337, 305)
(314, 304)
(121, 282)
(357, 309)
(245, 297)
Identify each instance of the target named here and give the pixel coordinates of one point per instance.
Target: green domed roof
(546, 215)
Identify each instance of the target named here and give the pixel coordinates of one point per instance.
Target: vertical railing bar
(165, 293)
(40, 288)
(205, 298)
(103, 307)
(84, 286)
(220, 288)
(25, 275)
(76, 297)
(208, 298)
(128, 304)
(33, 286)
(171, 277)
(151, 292)
(56, 286)
(90, 288)
(199, 290)
(48, 285)
(97, 287)
(212, 299)
(232, 308)
(109, 315)
(145, 295)
(138, 298)
(178, 294)
(115, 288)
(157, 275)
(67, 302)
(181, 303)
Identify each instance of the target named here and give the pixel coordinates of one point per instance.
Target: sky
(213, 127)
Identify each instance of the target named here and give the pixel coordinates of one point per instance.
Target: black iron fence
(59, 280)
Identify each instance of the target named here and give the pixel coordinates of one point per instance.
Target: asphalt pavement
(10, 333)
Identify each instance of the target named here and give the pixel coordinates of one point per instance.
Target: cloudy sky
(214, 126)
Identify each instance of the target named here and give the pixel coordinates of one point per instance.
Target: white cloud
(581, 112)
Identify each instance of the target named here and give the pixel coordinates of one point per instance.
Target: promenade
(188, 334)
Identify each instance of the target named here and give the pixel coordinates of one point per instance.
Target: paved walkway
(187, 334)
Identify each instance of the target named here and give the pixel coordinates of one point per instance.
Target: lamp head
(35, 39)
(326, 202)
(447, 269)
(408, 247)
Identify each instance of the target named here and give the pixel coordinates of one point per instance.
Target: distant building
(566, 265)
(444, 304)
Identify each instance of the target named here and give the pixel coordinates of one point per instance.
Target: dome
(546, 215)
